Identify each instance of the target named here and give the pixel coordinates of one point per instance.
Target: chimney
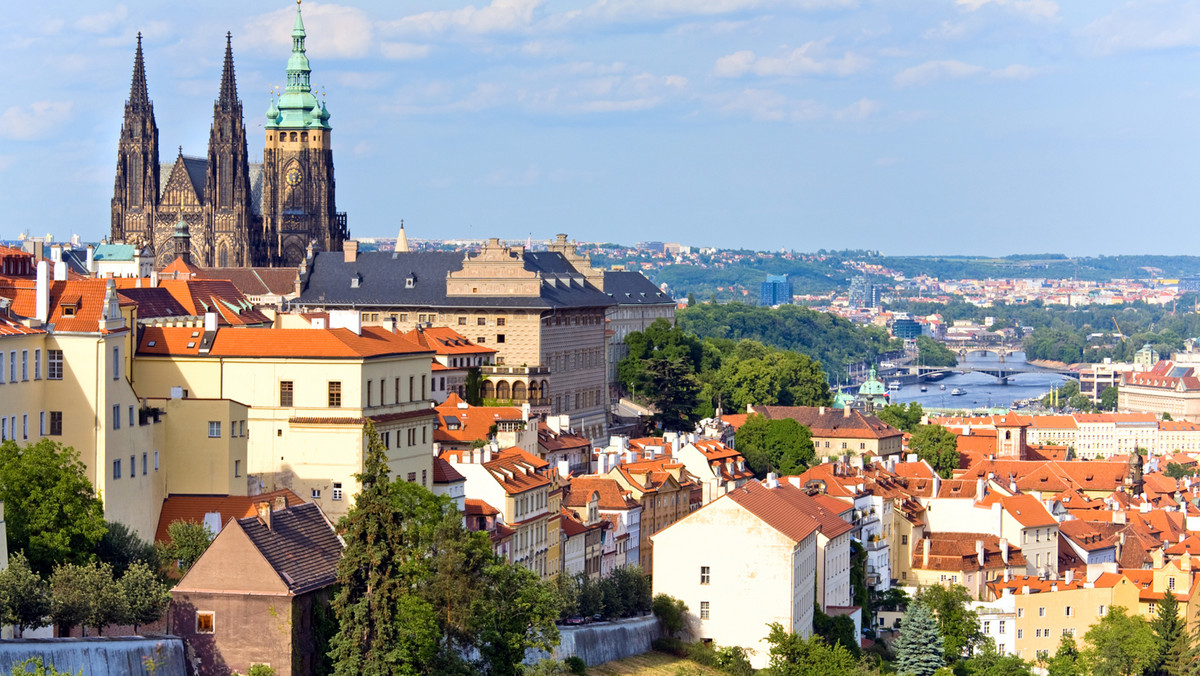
(56, 253)
(772, 480)
(979, 552)
(980, 488)
(487, 453)
(210, 321)
(280, 502)
(1185, 561)
(820, 410)
(154, 279)
(1004, 550)
(476, 456)
(1070, 576)
(1120, 544)
(1007, 575)
(43, 291)
(346, 319)
(91, 260)
(350, 249)
(925, 553)
(845, 411)
(60, 271)
(264, 512)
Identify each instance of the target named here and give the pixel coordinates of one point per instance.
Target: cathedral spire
(139, 97)
(228, 94)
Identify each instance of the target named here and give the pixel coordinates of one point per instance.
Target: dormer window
(354, 281)
(68, 311)
(410, 281)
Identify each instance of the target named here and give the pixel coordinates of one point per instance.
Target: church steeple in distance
(135, 189)
(228, 95)
(227, 181)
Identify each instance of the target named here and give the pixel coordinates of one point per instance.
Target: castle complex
(223, 210)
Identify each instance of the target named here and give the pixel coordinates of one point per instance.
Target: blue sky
(921, 126)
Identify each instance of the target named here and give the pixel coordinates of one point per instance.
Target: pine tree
(1171, 632)
(919, 646)
(370, 594)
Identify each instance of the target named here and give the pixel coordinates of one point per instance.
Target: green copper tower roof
(297, 108)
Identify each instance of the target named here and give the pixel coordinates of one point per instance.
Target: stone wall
(127, 656)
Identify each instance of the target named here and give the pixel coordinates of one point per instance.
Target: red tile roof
(461, 423)
(832, 422)
(958, 551)
(445, 341)
(444, 472)
(611, 495)
(272, 342)
(1028, 510)
(76, 305)
(772, 506)
(192, 508)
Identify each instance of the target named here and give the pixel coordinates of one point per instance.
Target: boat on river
(957, 392)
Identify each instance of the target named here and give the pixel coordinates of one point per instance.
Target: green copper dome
(297, 108)
(843, 400)
(872, 386)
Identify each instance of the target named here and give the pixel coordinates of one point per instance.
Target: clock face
(293, 177)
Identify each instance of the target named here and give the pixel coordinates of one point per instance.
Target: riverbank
(1051, 364)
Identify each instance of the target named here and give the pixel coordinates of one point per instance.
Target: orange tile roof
(831, 422)
(611, 495)
(193, 508)
(445, 341)
(76, 305)
(465, 424)
(772, 506)
(1028, 510)
(958, 551)
(272, 342)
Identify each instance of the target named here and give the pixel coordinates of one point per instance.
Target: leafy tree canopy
(958, 625)
(1121, 645)
(936, 445)
(902, 417)
(782, 446)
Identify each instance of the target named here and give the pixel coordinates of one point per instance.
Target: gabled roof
(611, 495)
(959, 552)
(774, 507)
(462, 423)
(76, 305)
(255, 281)
(154, 302)
(444, 472)
(445, 341)
(1028, 510)
(632, 288)
(300, 545)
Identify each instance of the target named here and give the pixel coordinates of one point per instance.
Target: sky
(911, 127)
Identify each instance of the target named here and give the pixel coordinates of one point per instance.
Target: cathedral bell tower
(135, 193)
(227, 179)
(298, 187)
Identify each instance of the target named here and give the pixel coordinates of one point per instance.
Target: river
(982, 390)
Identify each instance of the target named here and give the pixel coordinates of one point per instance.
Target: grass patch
(652, 664)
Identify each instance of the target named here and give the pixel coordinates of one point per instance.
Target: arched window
(293, 138)
(303, 136)
(518, 391)
(534, 390)
(502, 391)
(545, 389)
(489, 390)
(223, 257)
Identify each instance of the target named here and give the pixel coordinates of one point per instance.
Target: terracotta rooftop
(831, 422)
(611, 495)
(462, 423)
(772, 507)
(958, 551)
(272, 342)
(193, 508)
(445, 341)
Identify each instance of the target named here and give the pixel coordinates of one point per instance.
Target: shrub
(669, 645)
(576, 665)
(701, 653)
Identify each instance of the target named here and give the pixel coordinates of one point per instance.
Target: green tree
(673, 391)
(1067, 661)
(938, 446)
(932, 353)
(1080, 402)
(121, 547)
(1167, 417)
(988, 662)
(146, 596)
(474, 385)
(51, 510)
(24, 595)
(86, 595)
(1175, 470)
(671, 613)
(188, 541)
(35, 667)
(1108, 398)
(957, 623)
(838, 630)
(1121, 645)
(793, 655)
(108, 603)
(902, 417)
(1173, 639)
(783, 446)
(919, 647)
(515, 615)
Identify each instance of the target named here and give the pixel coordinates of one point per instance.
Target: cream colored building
(544, 313)
(516, 483)
(741, 562)
(308, 393)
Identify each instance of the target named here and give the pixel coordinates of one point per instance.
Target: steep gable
(232, 565)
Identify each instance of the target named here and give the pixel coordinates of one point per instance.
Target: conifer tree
(1171, 632)
(919, 646)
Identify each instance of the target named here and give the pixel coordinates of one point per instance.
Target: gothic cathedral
(232, 213)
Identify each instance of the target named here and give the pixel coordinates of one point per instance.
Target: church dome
(873, 386)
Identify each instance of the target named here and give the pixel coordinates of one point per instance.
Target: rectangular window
(903, 539)
(116, 369)
(56, 423)
(704, 575)
(3, 429)
(37, 364)
(1001, 628)
(237, 468)
(145, 463)
(54, 364)
(1068, 611)
(335, 394)
(285, 393)
(424, 477)
(1170, 583)
(481, 321)
(24, 364)
(117, 468)
(25, 426)
(1020, 612)
(316, 494)
(214, 429)
(116, 417)
(500, 321)
(156, 461)
(205, 622)
(704, 610)
(337, 490)
(462, 321)
(131, 418)
(412, 387)
(42, 424)
(499, 337)
(12, 366)
(412, 477)
(1020, 633)
(370, 391)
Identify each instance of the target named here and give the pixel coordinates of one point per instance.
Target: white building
(741, 562)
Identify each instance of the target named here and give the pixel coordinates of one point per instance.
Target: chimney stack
(1070, 576)
(43, 292)
(1004, 550)
(280, 503)
(979, 552)
(925, 553)
(350, 249)
(264, 513)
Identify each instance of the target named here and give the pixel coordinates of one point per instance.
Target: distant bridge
(999, 371)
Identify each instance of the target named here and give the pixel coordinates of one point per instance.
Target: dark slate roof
(300, 545)
(382, 276)
(256, 281)
(155, 302)
(197, 172)
(632, 288)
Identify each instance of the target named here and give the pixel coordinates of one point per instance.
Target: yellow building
(308, 393)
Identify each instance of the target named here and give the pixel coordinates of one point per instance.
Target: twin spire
(228, 96)
(139, 97)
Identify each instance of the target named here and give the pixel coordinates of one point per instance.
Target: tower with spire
(298, 186)
(237, 213)
(135, 193)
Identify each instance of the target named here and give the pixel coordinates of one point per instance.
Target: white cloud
(807, 59)
(103, 22)
(499, 16)
(403, 51)
(346, 32)
(25, 123)
(1032, 9)
(859, 110)
(933, 71)
(1146, 25)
